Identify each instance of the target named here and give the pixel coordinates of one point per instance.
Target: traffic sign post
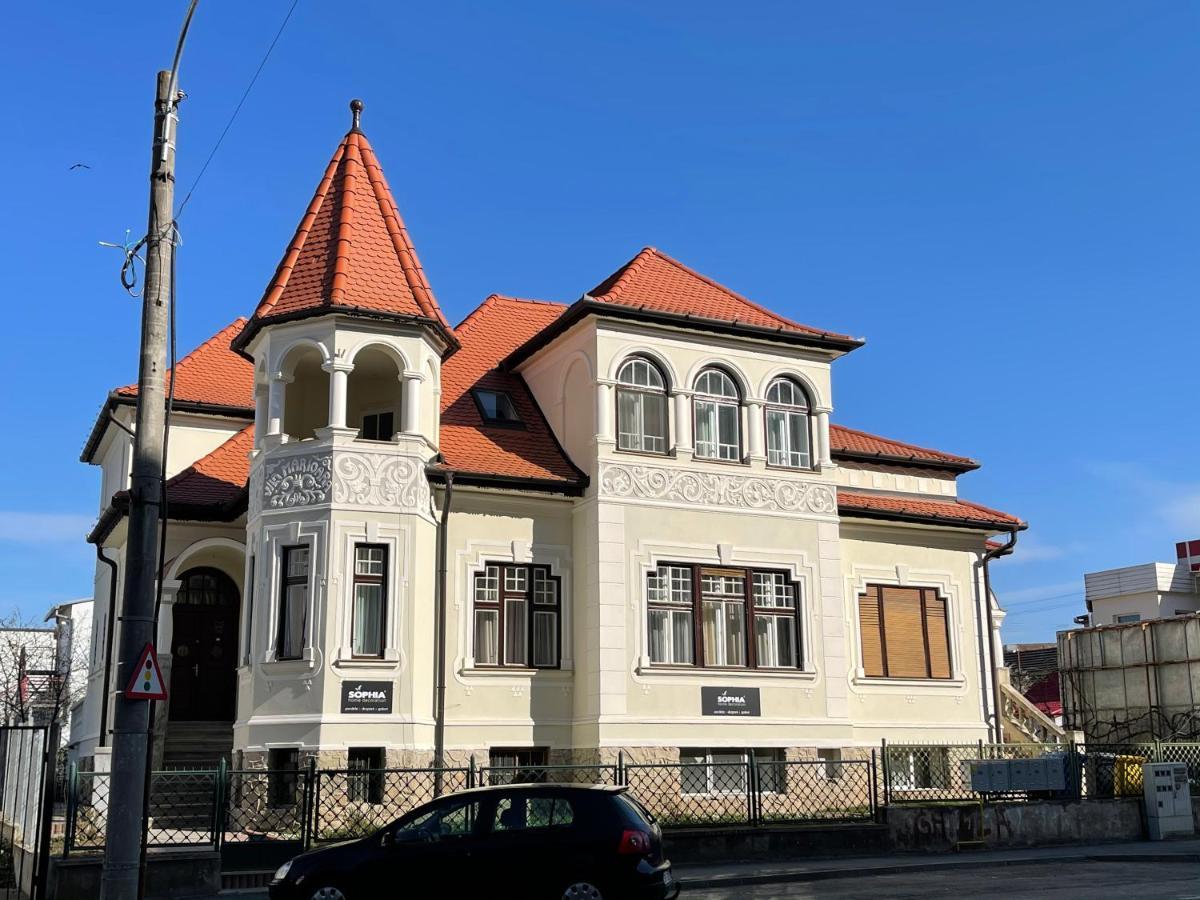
(147, 680)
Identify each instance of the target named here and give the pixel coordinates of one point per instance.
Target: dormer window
(718, 416)
(641, 407)
(788, 439)
(496, 407)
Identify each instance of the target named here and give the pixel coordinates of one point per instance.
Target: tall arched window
(641, 407)
(718, 416)
(788, 439)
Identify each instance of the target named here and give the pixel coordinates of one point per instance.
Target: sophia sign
(723, 701)
(367, 697)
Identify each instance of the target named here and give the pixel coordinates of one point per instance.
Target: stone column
(276, 392)
(754, 430)
(411, 411)
(339, 377)
(683, 423)
(604, 413)
(821, 439)
(260, 413)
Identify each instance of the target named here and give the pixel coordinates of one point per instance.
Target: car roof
(543, 786)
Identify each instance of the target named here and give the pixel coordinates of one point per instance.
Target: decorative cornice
(695, 488)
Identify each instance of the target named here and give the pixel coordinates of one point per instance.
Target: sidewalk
(750, 873)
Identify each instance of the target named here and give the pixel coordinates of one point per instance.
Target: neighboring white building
(651, 512)
(73, 649)
(1149, 591)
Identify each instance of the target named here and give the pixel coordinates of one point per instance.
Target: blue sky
(1001, 197)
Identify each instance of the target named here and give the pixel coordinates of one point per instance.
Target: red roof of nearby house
(218, 477)
(852, 442)
(949, 512)
(652, 280)
(212, 374)
(467, 442)
(351, 251)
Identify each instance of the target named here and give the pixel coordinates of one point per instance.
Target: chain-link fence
(349, 803)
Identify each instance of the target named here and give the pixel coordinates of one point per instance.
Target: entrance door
(204, 648)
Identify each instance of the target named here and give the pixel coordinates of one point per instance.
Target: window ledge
(350, 662)
(709, 675)
(562, 673)
(938, 683)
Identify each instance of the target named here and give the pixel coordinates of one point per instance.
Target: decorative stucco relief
(346, 477)
(296, 481)
(715, 489)
(256, 491)
(378, 479)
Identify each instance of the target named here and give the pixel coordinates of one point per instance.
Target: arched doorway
(204, 647)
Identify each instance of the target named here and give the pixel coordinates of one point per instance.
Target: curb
(900, 868)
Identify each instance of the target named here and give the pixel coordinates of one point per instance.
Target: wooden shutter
(870, 627)
(937, 637)
(904, 625)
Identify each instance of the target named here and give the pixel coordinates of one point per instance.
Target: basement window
(496, 407)
(364, 783)
(283, 777)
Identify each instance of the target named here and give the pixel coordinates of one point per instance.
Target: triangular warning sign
(147, 680)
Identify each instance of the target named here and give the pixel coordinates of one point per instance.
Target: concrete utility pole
(131, 718)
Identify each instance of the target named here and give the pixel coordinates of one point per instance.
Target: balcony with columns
(340, 430)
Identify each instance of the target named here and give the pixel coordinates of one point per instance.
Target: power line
(237, 109)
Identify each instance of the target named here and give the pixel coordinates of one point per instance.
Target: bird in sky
(79, 166)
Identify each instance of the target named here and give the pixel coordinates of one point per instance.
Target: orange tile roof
(351, 251)
(852, 442)
(212, 374)
(468, 443)
(652, 280)
(957, 512)
(217, 478)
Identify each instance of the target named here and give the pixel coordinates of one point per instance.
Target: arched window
(718, 416)
(641, 407)
(788, 441)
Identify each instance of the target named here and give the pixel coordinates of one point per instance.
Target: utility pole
(131, 718)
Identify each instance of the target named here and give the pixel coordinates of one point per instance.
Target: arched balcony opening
(374, 395)
(306, 393)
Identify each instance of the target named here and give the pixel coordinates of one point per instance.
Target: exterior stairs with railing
(1023, 723)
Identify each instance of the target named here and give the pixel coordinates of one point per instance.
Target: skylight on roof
(496, 407)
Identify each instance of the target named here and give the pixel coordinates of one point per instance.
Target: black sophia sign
(726, 701)
(367, 697)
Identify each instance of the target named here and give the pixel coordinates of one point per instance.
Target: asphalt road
(1041, 881)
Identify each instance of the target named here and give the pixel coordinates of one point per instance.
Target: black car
(528, 841)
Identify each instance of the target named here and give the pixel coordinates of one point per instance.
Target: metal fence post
(309, 804)
(752, 795)
(72, 808)
(887, 774)
(471, 771)
(620, 773)
(874, 788)
(219, 794)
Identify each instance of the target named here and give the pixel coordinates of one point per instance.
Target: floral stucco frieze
(296, 481)
(377, 479)
(691, 487)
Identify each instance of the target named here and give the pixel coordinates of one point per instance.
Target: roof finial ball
(356, 108)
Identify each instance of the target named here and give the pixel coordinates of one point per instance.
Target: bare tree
(36, 669)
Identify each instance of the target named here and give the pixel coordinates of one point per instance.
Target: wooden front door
(204, 648)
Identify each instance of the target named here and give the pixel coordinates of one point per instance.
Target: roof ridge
(732, 293)
(464, 327)
(909, 444)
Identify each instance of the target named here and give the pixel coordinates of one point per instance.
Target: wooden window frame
(925, 594)
(736, 402)
(286, 581)
(804, 411)
(382, 580)
(664, 392)
(503, 596)
(750, 610)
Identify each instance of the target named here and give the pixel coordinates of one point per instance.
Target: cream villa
(645, 532)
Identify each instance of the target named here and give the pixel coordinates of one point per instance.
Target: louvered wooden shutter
(936, 635)
(870, 627)
(904, 626)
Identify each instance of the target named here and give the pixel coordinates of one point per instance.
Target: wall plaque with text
(727, 701)
(367, 697)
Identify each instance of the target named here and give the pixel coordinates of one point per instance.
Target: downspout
(1005, 550)
(108, 639)
(439, 650)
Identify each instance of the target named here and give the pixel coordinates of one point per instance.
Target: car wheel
(327, 892)
(582, 890)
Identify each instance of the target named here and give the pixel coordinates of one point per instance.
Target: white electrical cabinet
(1168, 799)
